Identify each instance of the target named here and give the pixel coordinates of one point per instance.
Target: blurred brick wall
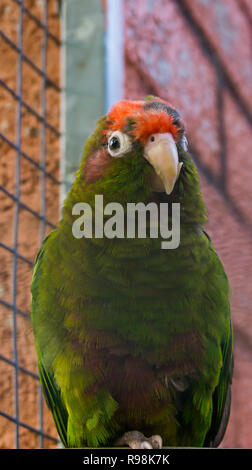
(30, 194)
(198, 55)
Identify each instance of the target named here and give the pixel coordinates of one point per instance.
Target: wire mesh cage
(29, 200)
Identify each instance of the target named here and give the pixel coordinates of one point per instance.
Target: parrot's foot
(136, 440)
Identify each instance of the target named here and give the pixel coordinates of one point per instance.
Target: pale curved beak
(161, 152)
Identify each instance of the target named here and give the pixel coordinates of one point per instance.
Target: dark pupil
(114, 143)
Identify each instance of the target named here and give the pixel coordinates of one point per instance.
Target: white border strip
(114, 66)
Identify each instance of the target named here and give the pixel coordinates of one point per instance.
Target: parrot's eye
(118, 144)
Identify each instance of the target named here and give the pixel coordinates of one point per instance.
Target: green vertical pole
(83, 80)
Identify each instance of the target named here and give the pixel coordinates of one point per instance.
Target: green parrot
(134, 342)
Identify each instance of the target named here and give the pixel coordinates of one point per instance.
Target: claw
(136, 440)
(156, 442)
(140, 445)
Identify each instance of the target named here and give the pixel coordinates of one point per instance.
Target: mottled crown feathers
(143, 118)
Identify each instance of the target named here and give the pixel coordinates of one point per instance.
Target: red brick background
(197, 54)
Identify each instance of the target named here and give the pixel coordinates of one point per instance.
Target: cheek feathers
(95, 165)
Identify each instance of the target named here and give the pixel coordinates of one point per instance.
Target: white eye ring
(118, 144)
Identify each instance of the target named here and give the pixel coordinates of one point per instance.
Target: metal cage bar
(29, 108)
(29, 61)
(15, 196)
(16, 219)
(42, 25)
(42, 173)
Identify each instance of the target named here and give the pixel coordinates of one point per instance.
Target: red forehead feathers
(147, 121)
(154, 122)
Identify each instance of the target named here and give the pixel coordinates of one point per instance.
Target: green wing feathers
(222, 396)
(50, 389)
(54, 401)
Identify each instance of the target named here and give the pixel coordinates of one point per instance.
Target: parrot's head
(138, 152)
(140, 145)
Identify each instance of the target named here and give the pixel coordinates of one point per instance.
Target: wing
(49, 387)
(222, 394)
(222, 397)
(54, 401)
